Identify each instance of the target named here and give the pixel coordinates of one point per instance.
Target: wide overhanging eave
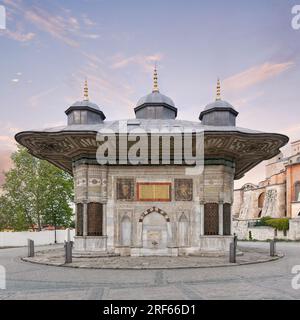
(246, 149)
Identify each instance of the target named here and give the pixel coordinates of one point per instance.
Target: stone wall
(19, 239)
(294, 230)
(241, 229)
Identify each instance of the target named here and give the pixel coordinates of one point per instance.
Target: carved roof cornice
(246, 149)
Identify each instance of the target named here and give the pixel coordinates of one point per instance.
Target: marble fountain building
(158, 208)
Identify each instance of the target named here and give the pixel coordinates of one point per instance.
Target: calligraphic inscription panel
(154, 191)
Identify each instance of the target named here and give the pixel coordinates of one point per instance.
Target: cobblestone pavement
(271, 280)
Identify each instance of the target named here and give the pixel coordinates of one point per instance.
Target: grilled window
(226, 219)
(79, 220)
(95, 219)
(211, 219)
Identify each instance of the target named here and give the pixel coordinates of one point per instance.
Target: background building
(276, 196)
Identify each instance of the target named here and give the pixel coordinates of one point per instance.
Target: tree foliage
(276, 223)
(35, 192)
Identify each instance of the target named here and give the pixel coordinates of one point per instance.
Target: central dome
(155, 105)
(157, 98)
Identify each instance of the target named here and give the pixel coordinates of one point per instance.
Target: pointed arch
(261, 200)
(183, 218)
(154, 209)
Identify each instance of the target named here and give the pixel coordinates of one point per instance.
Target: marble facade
(133, 227)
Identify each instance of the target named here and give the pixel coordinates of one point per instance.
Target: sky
(49, 47)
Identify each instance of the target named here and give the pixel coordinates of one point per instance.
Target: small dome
(218, 104)
(219, 112)
(85, 103)
(155, 98)
(84, 112)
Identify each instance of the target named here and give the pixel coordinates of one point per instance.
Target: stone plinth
(144, 252)
(90, 246)
(215, 243)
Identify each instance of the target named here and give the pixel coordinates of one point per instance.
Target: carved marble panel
(183, 189)
(125, 189)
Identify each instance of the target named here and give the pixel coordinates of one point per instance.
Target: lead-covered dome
(85, 111)
(155, 97)
(218, 104)
(219, 112)
(155, 105)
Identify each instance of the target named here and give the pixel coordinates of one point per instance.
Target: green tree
(35, 193)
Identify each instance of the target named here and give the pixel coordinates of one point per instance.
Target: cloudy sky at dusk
(49, 47)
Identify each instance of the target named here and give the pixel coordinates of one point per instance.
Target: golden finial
(155, 83)
(218, 96)
(86, 91)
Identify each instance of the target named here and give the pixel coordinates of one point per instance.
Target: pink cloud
(145, 61)
(64, 27)
(19, 36)
(255, 75)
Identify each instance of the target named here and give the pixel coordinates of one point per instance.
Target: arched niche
(261, 200)
(183, 231)
(155, 232)
(125, 231)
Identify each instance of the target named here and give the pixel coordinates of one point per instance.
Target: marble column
(104, 229)
(201, 218)
(221, 218)
(76, 220)
(110, 225)
(197, 228)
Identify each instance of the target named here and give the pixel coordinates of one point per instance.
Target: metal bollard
(235, 239)
(68, 234)
(68, 251)
(272, 248)
(30, 248)
(232, 253)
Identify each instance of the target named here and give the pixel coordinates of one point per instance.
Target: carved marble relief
(125, 189)
(183, 189)
(270, 202)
